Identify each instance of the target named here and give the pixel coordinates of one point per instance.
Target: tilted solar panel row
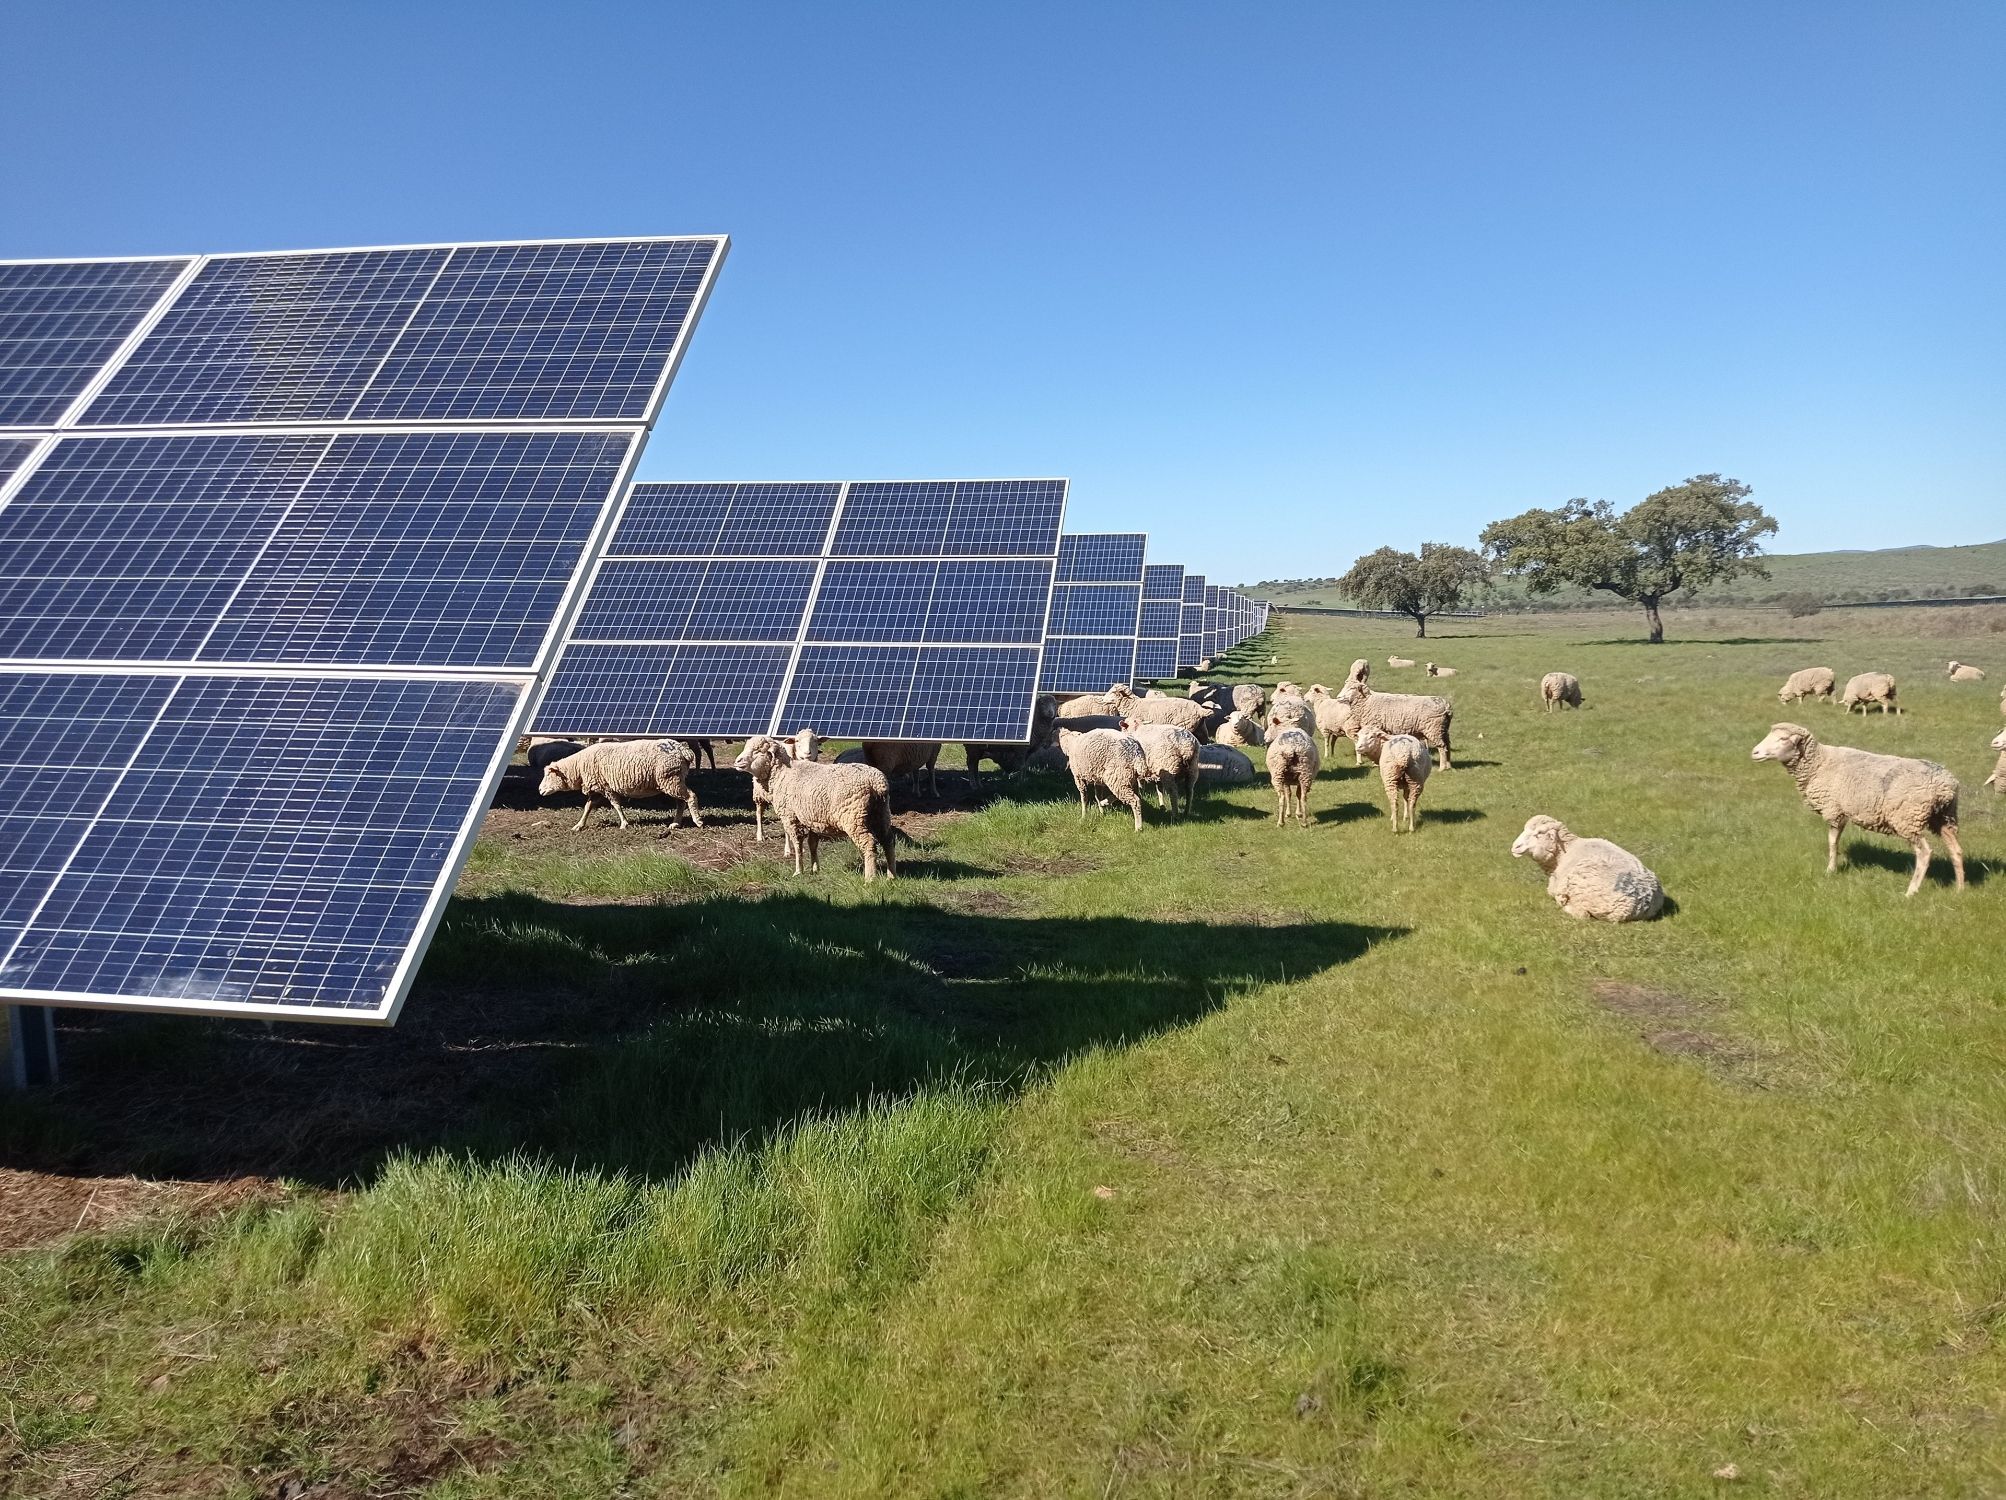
(1090, 640)
(1162, 617)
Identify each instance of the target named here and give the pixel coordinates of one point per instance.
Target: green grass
(1218, 1160)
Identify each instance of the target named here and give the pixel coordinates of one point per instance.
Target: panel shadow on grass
(634, 1037)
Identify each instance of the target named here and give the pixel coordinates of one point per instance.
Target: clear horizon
(1347, 278)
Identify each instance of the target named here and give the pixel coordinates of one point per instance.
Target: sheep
(1399, 661)
(1892, 794)
(1287, 690)
(914, 758)
(1426, 718)
(1811, 682)
(1248, 697)
(1404, 764)
(1192, 717)
(1170, 756)
(1239, 729)
(613, 769)
(1965, 672)
(1331, 719)
(1997, 780)
(1082, 704)
(806, 745)
(1292, 766)
(1870, 687)
(1435, 671)
(1224, 765)
(1361, 671)
(813, 799)
(1110, 759)
(1287, 710)
(543, 751)
(1591, 879)
(1316, 692)
(1556, 688)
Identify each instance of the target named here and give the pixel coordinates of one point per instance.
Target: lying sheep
(543, 751)
(1239, 729)
(1997, 780)
(1426, 718)
(1965, 672)
(1404, 764)
(1592, 879)
(1192, 717)
(812, 799)
(1222, 765)
(613, 769)
(1556, 688)
(1170, 758)
(1892, 794)
(1109, 759)
(1292, 766)
(806, 745)
(1812, 682)
(1435, 671)
(1870, 687)
(1399, 661)
(1288, 711)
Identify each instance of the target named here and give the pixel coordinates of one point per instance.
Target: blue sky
(1276, 284)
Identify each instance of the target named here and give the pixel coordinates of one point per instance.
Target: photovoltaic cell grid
(310, 650)
(904, 610)
(1162, 617)
(1096, 604)
(1191, 629)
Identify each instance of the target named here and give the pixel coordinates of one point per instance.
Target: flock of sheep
(1122, 743)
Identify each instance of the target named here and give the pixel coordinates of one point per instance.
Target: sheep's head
(1785, 742)
(807, 744)
(1116, 697)
(1954, 666)
(552, 782)
(1999, 740)
(1287, 690)
(1360, 670)
(1368, 740)
(1541, 841)
(761, 754)
(1287, 713)
(1069, 738)
(1316, 692)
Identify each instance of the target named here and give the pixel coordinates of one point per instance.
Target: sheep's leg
(1134, 800)
(1413, 806)
(582, 816)
(868, 849)
(1083, 799)
(758, 822)
(814, 841)
(1949, 831)
(1921, 847)
(690, 802)
(614, 803)
(1832, 832)
(1393, 807)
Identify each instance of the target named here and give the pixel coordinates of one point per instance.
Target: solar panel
(257, 684)
(1162, 617)
(1191, 629)
(1215, 634)
(900, 610)
(61, 321)
(1096, 603)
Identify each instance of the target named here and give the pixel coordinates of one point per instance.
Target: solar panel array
(286, 542)
(1096, 603)
(868, 610)
(1162, 617)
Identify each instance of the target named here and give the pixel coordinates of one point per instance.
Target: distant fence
(1371, 614)
(1916, 603)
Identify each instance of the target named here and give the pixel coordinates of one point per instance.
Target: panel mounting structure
(883, 610)
(288, 542)
(1162, 617)
(1096, 605)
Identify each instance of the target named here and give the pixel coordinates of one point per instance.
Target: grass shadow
(1898, 859)
(1732, 640)
(632, 1037)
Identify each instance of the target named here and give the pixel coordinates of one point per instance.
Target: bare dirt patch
(37, 1207)
(1670, 1023)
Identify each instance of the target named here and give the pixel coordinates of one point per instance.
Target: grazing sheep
(1435, 671)
(613, 769)
(543, 751)
(1870, 687)
(1239, 729)
(914, 758)
(1192, 717)
(1404, 764)
(1965, 672)
(1556, 688)
(1592, 879)
(1170, 757)
(1399, 661)
(1426, 718)
(1110, 759)
(1997, 780)
(812, 799)
(1892, 794)
(1224, 766)
(1331, 719)
(806, 745)
(1812, 682)
(1083, 704)
(1292, 766)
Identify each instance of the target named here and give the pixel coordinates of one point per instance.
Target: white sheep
(1170, 757)
(1287, 690)
(1426, 717)
(1811, 682)
(1870, 687)
(1892, 794)
(1186, 713)
(1361, 671)
(1248, 698)
(1109, 759)
(1556, 688)
(812, 799)
(1399, 661)
(543, 750)
(1404, 764)
(1080, 705)
(896, 758)
(1239, 729)
(1292, 766)
(1997, 780)
(613, 769)
(1592, 879)
(1332, 717)
(1965, 672)
(806, 745)
(1435, 671)
(1222, 765)
(1287, 710)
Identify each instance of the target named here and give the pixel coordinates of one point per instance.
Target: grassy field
(1216, 1160)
